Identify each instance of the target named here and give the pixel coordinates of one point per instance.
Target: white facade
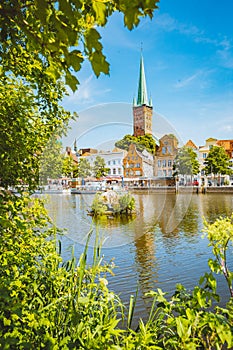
(148, 164)
(113, 161)
(204, 151)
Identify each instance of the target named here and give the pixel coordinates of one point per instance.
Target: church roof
(142, 90)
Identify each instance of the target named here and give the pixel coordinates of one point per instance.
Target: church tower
(142, 110)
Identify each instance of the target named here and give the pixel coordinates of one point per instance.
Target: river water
(160, 246)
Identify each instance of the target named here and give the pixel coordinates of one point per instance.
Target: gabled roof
(191, 144)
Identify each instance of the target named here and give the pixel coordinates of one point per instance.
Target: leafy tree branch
(55, 36)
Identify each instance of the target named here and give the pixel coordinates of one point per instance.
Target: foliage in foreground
(54, 37)
(48, 304)
(28, 120)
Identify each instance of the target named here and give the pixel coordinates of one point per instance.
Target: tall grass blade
(83, 262)
(132, 304)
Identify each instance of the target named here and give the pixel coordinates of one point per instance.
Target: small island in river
(113, 203)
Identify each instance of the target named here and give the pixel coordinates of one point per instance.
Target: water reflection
(160, 247)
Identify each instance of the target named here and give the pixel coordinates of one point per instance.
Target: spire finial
(141, 47)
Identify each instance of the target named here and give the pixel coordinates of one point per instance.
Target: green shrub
(45, 304)
(127, 203)
(121, 203)
(98, 207)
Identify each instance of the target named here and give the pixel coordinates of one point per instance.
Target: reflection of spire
(142, 91)
(145, 256)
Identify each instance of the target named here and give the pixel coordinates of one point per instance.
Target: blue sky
(188, 57)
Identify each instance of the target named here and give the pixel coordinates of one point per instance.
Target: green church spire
(142, 91)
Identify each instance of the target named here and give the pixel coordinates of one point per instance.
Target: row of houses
(144, 168)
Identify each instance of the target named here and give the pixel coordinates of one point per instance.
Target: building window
(114, 171)
(109, 172)
(204, 155)
(119, 171)
(169, 163)
(138, 165)
(169, 172)
(164, 163)
(159, 163)
(169, 149)
(138, 172)
(164, 173)
(113, 162)
(163, 150)
(109, 162)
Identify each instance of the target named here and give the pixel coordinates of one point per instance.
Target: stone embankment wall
(220, 189)
(182, 189)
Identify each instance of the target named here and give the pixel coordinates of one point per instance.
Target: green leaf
(183, 329)
(75, 59)
(131, 18)
(72, 81)
(100, 11)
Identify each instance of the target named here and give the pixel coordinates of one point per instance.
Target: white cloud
(166, 22)
(187, 81)
(226, 57)
(86, 93)
(169, 24)
(224, 45)
(227, 128)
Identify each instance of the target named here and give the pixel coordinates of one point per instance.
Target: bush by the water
(49, 304)
(113, 203)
